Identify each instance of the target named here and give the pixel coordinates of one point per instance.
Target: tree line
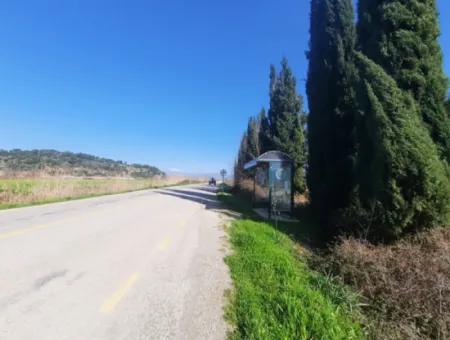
(373, 151)
(281, 128)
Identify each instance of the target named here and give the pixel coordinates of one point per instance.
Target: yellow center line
(109, 305)
(165, 243)
(21, 231)
(24, 231)
(181, 224)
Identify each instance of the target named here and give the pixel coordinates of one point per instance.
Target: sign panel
(280, 182)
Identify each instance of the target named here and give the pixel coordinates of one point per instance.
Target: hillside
(55, 163)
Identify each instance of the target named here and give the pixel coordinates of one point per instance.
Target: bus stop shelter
(272, 174)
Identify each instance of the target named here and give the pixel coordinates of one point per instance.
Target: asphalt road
(143, 265)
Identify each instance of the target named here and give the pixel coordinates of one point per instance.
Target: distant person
(212, 181)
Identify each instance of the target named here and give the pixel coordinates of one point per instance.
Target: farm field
(17, 192)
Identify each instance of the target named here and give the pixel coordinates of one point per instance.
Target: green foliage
(53, 162)
(331, 75)
(377, 127)
(276, 296)
(272, 80)
(243, 157)
(264, 138)
(286, 127)
(402, 184)
(256, 140)
(402, 37)
(253, 137)
(282, 129)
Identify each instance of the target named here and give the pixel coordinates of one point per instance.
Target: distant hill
(55, 163)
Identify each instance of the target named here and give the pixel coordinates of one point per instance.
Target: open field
(16, 192)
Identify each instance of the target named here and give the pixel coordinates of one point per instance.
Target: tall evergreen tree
(272, 79)
(402, 37)
(253, 137)
(264, 138)
(236, 173)
(242, 158)
(285, 122)
(329, 88)
(402, 182)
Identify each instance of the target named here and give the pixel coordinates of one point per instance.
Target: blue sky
(168, 83)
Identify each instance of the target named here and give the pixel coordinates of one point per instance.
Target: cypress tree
(264, 138)
(402, 37)
(236, 173)
(285, 121)
(253, 137)
(402, 182)
(329, 88)
(242, 158)
(272, 79)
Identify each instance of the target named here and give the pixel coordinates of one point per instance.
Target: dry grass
(24, 191)
(246, 185)
(406, 285)
(301, 199)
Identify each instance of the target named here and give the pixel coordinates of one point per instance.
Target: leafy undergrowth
(407, 284)
(276, 296)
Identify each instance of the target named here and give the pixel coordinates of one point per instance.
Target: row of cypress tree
(281, 128)
(378, 129)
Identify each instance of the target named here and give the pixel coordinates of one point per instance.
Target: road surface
(142, 265)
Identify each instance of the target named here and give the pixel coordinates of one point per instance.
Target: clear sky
(168, 83)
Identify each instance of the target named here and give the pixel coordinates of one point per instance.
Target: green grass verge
(306, 231)
(276, 295)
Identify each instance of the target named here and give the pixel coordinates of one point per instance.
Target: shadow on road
(210, 189)
(203, 195)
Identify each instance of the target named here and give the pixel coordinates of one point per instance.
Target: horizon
(148, 83)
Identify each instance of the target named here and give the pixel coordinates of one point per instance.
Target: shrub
(406, 285)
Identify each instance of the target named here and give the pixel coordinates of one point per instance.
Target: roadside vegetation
(405, 287)
(372, 165)
(384, 291)
(276, 295)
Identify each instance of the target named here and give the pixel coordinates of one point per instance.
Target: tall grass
(25, 191)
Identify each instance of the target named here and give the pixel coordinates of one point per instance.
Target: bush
(406, 285)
